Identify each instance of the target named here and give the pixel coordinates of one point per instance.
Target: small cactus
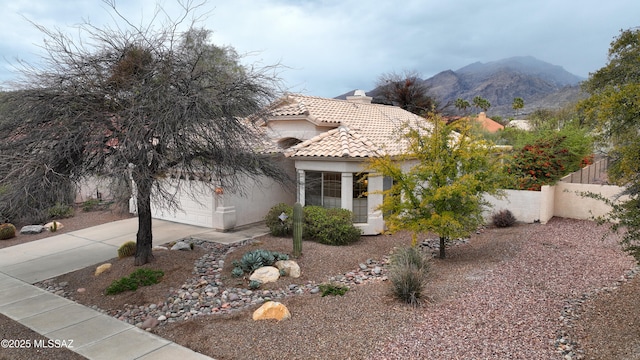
(127, 249)
(297, 230)
(237, 271)
(254, 284)
(54, 226)
(7, 231)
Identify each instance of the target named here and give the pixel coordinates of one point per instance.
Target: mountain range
(540, 84)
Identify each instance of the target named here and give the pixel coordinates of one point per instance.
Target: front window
(323, 189)
(360, 202)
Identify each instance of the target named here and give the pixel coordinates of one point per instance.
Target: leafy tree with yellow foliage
(439, 183)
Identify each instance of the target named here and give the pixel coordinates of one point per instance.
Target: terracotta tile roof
(487, 123)
(363, 130)
(338, 142)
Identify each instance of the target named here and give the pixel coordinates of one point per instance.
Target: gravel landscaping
(526, 292)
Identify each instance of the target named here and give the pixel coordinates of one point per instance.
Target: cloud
(332, 46)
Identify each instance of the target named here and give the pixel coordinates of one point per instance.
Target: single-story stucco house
(325, 144)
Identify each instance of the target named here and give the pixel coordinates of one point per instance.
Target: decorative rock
(81, 290)
(205, 294)
(158, 248)
(31, 229)
(266, 274)
(150, 323)
(291, 268)
(271, 310)
(102, 268)
(48, 226)
(181, 245)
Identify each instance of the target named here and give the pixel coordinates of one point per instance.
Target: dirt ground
(616, 309)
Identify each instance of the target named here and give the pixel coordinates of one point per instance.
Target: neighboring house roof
(488, 124)
(360, 129)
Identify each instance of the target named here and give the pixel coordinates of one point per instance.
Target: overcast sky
(333, 46)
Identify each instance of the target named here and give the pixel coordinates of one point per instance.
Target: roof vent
(359, 96)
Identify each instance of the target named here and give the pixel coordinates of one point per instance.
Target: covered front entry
(342, 184)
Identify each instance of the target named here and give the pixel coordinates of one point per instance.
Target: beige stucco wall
(88, 188)
(259, 198)
(569, 203)
(526, 206)
(561, 200)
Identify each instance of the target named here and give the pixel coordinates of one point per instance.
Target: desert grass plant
(7, 231)
(60, 211)
(407, 273)
(140, 277)
(332, 288)
(127, 249)
(503, 218)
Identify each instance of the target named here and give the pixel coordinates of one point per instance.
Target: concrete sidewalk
(94, 335)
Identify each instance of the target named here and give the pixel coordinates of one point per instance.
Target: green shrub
(503, 218)
(278, 227)
(90, 205)
(326, 226)
(7, 231)
(547, 157)
(127, 249)
(60, 211)
(315, 217)
(407, 273)
(140, 277)
(330, 226)
(333, 289)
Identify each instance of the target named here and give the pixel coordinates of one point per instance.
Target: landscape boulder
(49, 226)
(102, 268)
(271, 310)
(266, 274)
(290, 267)
(181, 245)
(31, 229)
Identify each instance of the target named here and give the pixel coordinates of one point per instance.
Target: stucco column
(347, 191)
(300, 197)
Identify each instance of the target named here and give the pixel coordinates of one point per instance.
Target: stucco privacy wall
(568, 202)
(526, 206)
(93, 188)
(562, 200)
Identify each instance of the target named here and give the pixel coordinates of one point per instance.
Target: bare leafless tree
(135, 104)
(405, 90)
